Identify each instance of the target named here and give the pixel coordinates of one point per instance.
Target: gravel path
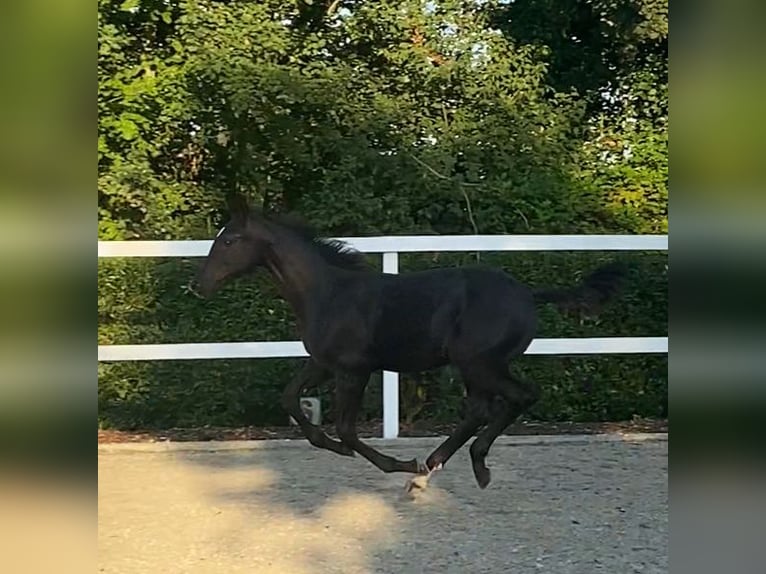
(557, 504)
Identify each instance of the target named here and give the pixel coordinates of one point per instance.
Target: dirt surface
(375, 429)
(569, 505)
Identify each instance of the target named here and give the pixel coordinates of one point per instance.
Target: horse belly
(412, 363)
(409, 346)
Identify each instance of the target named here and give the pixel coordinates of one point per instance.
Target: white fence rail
(390, 247)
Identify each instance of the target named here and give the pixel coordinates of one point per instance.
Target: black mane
(336, 253)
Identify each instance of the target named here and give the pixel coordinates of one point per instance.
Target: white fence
(390, 247)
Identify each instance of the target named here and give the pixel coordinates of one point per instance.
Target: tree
(415, 116)
(614, 55)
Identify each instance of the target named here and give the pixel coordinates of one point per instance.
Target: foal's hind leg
(349, 392)
(477, 406)
(475, 416)
(517, 397)
(312, 375)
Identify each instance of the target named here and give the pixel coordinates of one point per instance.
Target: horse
(354, 320)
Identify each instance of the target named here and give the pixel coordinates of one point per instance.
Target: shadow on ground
(572, 507)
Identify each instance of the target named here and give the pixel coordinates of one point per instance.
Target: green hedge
(342, 116)
(145, 302)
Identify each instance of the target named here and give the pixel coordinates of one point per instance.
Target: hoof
(346, 451)
(424, 469)
(482, 475)
(335, 446)
(420, 482)
(417, 483)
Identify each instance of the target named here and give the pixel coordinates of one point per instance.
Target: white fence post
(390, 380)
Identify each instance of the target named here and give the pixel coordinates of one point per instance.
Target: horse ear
(239, 209)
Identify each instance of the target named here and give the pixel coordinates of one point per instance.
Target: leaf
(128, 129)
(130, 5)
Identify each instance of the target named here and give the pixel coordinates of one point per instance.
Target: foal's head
(247, 240)
(240, 247)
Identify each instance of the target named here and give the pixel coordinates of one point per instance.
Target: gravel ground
(566, 504)
(369, 429)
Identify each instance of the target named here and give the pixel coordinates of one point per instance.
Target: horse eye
(228, 242)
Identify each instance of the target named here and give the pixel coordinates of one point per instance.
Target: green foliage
(375, 118)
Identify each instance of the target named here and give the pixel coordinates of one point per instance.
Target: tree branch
(441, 175)
(470, 212)
(462, 185)
(331, 8)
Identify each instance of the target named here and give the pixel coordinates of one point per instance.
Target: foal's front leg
(312, 375)
(349, 390)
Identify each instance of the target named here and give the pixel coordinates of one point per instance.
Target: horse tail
(591, 294)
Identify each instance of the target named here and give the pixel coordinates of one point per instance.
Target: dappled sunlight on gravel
(561, 504)
(180, 517)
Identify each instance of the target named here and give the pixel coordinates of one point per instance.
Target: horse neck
(301, 274)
